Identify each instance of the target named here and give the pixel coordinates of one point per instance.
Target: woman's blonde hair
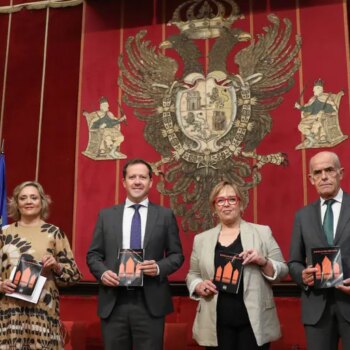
(243, 196)
(13, 211)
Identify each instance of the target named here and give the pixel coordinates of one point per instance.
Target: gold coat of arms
(204, 119)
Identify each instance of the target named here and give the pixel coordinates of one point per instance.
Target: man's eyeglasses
(232, 200)
(317, 174)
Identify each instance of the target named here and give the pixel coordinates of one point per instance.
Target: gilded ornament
(206, 122)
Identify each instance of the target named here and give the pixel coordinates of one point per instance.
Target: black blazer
(161, 243)
(307, 234)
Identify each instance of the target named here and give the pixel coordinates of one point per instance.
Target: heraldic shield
(208, 121)
(206, 111)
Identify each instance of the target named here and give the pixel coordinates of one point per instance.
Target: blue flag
(3, 198)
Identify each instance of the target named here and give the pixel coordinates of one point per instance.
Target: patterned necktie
(328, 221)
(135, 233)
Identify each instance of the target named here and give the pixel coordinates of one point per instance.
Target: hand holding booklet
(28, 280)
(327, 261)
(228, 272)
(129, 270)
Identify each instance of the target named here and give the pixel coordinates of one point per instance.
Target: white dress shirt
(127, 219)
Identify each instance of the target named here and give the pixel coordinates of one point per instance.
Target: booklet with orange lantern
(327, 261)
(228, 272)
(129, 270)
(28, 280)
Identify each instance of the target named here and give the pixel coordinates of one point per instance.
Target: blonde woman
(248, 319)
(24, 325)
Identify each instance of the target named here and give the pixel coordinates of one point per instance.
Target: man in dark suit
(133, 318)
(325, 312)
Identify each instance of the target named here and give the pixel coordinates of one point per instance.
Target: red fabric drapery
(55, 65)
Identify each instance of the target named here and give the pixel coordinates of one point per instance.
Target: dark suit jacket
(307, 234)
(161, 243)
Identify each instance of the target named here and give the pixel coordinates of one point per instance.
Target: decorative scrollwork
(207, 127)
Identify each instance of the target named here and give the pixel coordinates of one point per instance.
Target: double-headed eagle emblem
(205, 120)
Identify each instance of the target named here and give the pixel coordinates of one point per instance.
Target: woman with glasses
(231, 269)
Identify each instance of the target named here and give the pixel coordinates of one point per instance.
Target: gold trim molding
(39, 5)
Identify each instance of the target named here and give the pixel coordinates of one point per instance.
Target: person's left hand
(251, 256)
(7, 286)
(50, 263)
(205, 289)
(149, 267)
(345, 287)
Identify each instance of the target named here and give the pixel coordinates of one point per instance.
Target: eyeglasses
(232, 200)
(330, 172)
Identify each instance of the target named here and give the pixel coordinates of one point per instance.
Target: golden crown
(203, 19)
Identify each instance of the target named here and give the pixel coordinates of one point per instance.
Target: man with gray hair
(325, 312)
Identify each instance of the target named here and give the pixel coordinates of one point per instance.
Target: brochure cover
(228, 272)
(34, 297)
(328, 262)
(26, 276)
(129, 267)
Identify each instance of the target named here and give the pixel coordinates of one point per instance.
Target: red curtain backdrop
(56, 63)
(39, 84)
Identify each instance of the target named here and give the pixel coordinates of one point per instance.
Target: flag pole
(3, 198)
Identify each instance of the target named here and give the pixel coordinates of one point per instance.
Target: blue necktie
(328, 221)
(135, 233)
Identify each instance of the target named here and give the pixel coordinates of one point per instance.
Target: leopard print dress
(24, 325)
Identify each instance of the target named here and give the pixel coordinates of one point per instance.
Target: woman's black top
(231, 310)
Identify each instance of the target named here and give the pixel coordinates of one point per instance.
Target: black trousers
(237, 338)
(130, 326)
(233, 328)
